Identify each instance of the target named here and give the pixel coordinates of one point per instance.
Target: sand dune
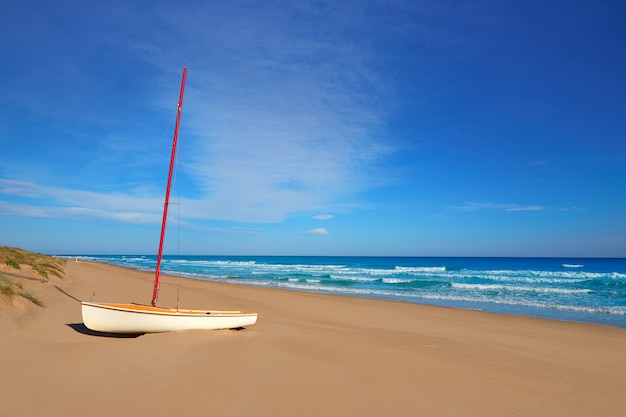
(308, 355)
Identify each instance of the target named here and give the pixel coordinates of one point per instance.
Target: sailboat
(139, 318)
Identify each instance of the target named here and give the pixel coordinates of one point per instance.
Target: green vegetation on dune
(10, 288)
(7, 287)
(43, 265)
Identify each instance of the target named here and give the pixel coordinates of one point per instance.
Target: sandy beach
(308, 355)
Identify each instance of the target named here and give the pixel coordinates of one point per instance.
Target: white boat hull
(135, 318)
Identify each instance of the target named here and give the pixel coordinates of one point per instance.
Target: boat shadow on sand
(81, 328)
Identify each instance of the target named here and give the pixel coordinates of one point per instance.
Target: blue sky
(409, 128)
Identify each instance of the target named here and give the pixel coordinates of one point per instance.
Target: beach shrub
(32, 297)
(6, 286)
(10, 288)
(12, 263)
(6, 289)
(41, 271)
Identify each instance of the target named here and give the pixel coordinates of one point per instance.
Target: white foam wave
(419, 269)
(204, 262)
(353, 278)
(344, 272)
(615, 310)
(516, 288)
(396, 280)
(513, 278)
(527, 276)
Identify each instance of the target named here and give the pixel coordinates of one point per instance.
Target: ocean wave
(413, 284)
(515, 279)
(530, 276)
(419, 269)
(111, 259)
(496, 287)
(477, 300)
(606, 283)
(529, 273)
(353, 278)
(613, 310)
(572, 266)
(398, 272)
(397, 280)
(217, 263)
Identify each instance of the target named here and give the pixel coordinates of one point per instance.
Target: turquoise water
(584, 290)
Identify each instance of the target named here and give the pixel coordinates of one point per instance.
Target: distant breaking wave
(496, 287)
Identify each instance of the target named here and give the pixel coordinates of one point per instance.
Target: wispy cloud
(281, 119)
(26, 199)
(323, 217)
(76, 213)
(474, 206)
(318, 231)
(52, 202)
(19, 188)
(525, 208)
(278, 119)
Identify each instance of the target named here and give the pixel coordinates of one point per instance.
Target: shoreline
(573, 310)
(309, 354)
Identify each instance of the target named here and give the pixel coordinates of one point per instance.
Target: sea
(589, 290)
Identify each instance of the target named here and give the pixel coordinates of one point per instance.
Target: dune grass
(7, 286)
(10, 289)
(31, 297)
(43, 265)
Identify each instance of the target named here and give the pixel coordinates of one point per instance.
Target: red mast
(155, 292)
